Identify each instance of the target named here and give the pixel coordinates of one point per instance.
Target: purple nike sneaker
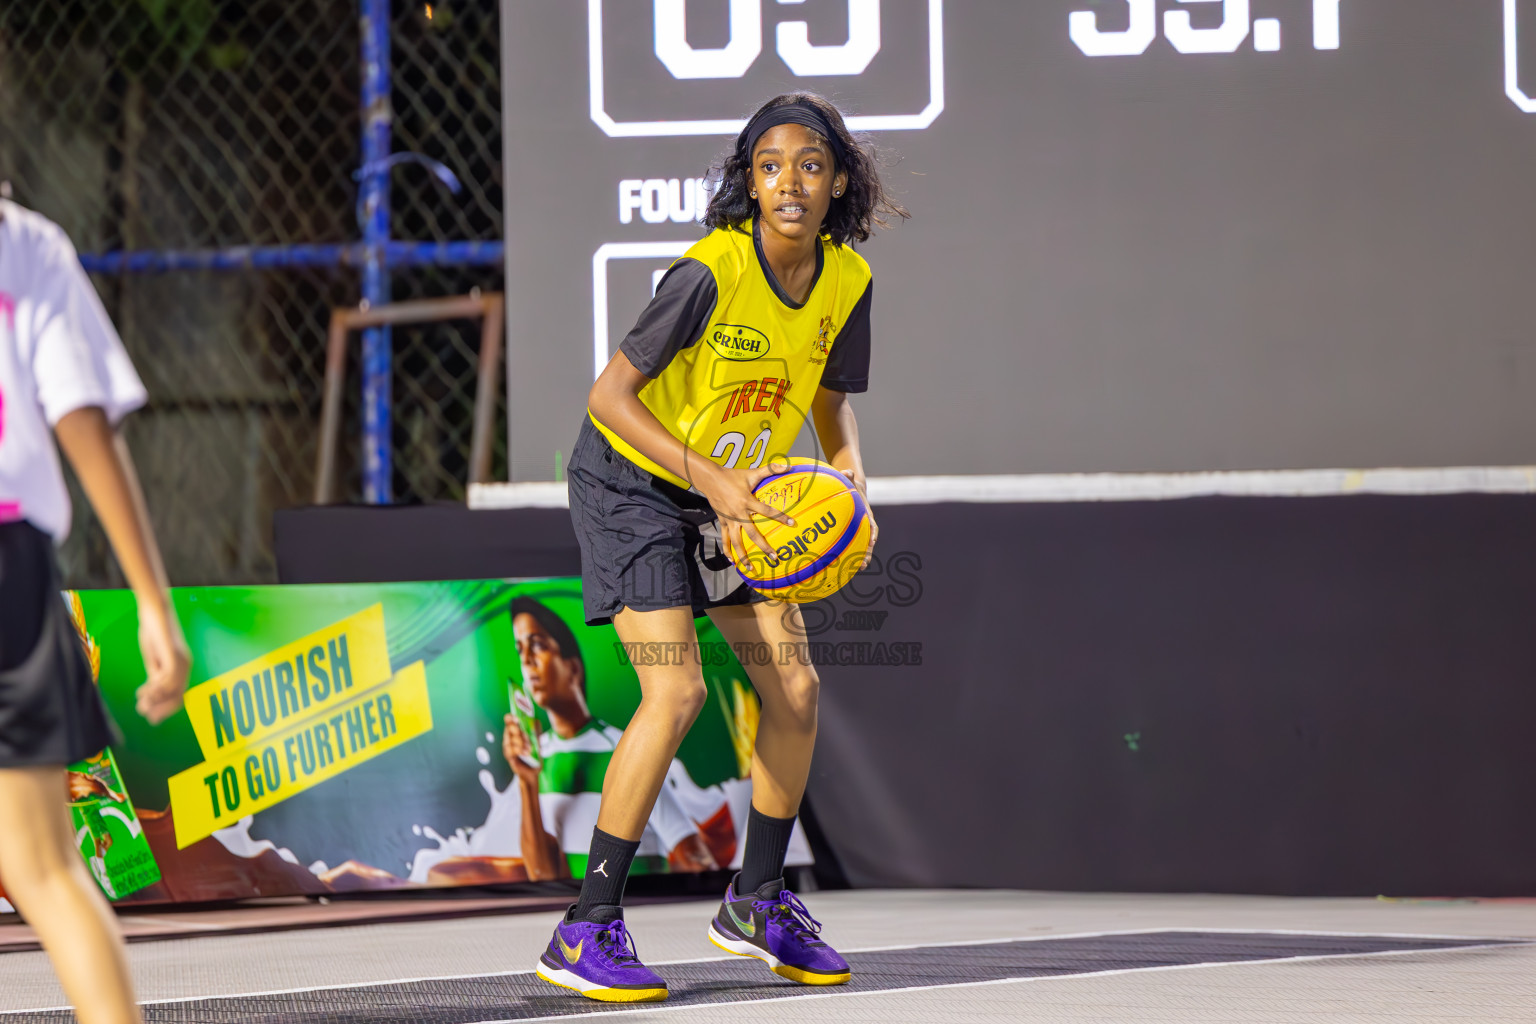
(774, 926)
(598, 959)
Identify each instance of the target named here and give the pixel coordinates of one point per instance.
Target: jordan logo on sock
(599, 870)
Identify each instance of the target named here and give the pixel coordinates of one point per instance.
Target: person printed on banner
(762, 323)
(561, 783)
(65, 375)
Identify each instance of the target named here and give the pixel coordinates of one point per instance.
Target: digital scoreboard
(1147, 235)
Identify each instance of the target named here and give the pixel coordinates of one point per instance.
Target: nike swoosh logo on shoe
(748, 927)
(572, 953)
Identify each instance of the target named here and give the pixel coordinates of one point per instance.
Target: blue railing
(277, 257)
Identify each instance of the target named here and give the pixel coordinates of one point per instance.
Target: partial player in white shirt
(64, 374)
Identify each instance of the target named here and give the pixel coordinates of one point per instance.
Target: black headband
(794, 113)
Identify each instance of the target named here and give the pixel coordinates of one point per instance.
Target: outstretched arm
(838, 433)
(105, 469)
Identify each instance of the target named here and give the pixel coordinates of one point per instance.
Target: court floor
(918, 956)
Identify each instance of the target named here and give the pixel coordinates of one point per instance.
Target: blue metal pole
(377, 342)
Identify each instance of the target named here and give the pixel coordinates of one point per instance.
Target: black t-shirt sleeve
(675, 319)
(847, 367)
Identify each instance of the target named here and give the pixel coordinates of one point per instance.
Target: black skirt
(50, 709)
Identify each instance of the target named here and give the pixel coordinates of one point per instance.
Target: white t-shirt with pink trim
(58, 353)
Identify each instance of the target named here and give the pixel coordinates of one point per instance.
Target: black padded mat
(523, 996)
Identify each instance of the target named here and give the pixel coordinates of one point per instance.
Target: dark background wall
(1171, 261)
(1295, 696)
(1299, 696)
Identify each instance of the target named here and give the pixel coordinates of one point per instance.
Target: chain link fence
(169, 127)
(447, 106)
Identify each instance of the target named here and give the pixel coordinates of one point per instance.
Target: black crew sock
(767, 845)
(607, 870)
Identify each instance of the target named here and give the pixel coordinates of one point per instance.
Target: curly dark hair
(864, 205)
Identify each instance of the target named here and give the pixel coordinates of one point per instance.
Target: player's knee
(691, 699)
(680, 700)
(30, 866)
(802, 692)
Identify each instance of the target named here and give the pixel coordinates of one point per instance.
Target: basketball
(824, 549)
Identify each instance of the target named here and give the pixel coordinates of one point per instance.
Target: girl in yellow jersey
(764, 321)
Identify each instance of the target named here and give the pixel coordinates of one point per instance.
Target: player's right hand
(517, 748)
(730, 494)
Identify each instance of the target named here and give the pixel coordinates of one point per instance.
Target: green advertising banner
(380, 736)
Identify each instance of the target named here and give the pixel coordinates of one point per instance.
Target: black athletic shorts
(645, 543)
(50, 709)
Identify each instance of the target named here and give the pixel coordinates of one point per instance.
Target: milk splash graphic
(498, 836)
(238, 841)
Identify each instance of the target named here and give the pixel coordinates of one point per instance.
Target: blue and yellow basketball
(824, 549)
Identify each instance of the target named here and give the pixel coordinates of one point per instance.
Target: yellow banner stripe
(245, 706)
(250, 778)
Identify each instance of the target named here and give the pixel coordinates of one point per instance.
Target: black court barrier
(1297, 696)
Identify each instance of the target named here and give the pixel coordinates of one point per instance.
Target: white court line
(1486, 941)
(1517, 940)
(662, 1007)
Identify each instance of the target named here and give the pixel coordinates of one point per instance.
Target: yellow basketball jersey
(739, 391)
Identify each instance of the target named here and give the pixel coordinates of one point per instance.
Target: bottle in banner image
(527, 717)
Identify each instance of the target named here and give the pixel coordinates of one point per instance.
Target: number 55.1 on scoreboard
(1223, 31)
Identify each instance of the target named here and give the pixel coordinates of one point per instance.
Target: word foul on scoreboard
(658, 200)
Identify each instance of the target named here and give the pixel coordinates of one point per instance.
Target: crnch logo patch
(738, 342)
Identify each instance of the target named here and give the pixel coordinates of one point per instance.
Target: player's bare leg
(47, 881)
(759, 917)
(671, 696)
(591, 950)
(789, 689)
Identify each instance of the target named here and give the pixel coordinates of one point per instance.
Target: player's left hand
(874, 527)
(874, 535)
